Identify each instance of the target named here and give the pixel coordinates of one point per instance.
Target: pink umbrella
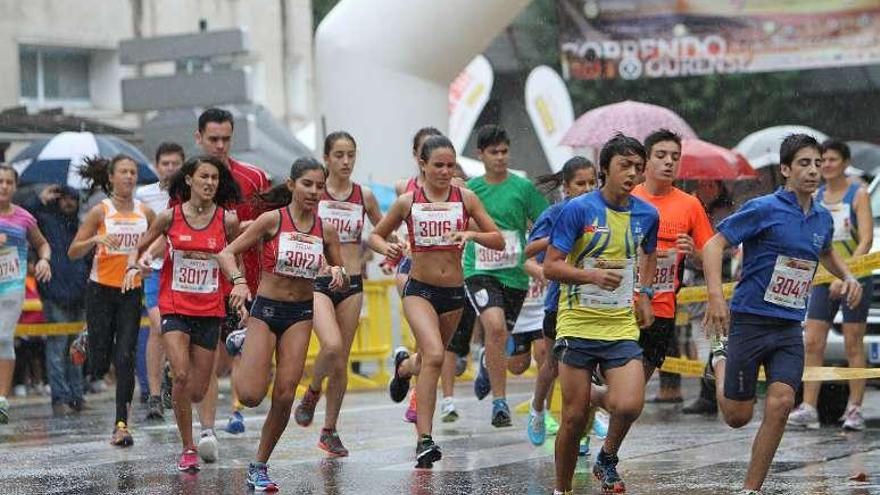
(632, 118)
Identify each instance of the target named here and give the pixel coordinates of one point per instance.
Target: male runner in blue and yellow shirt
(784, 236)
(597, 246)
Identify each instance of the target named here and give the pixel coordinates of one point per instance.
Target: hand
(853, 290)
(145, 263)
(685, 244)
(131, 274)
(42, 271)
(606, 279)
(459, 237)
(109, 241)
(239, 296)
(836, 289)
(50, 194)
(717, 318)
(242, 315)
(339, 280)
(394, 250)
(644, 311)
(536, 271)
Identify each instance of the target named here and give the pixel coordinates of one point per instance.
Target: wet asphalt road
(666, 453)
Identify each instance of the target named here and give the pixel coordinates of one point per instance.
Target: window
(49, 74)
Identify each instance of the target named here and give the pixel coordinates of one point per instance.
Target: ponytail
(549, 184)
(97, 170)
(281, 195)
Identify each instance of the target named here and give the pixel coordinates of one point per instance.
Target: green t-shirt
(512, 204)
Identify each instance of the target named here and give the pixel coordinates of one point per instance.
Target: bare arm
(371, 207)
(535, 247)
(557, 268)
(86, 237)
(333, 255)
(489, 234)
(390, 222)
(717, 316)
(865, 222)
(265, 225)
(42, 270)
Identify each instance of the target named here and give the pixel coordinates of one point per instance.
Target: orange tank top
(108, 267)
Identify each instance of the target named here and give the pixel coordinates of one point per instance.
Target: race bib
(490, 259)
(432, 222)
(195, 274)
(594, 297)
(840, 213)
(790, 283)
(535, 294)
(299, 255)
(128, 232)
(347, 218)
(10, 265)
(664, 278)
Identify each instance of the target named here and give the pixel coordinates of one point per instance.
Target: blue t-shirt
(593, 233)
(770, 227)
(541, 229)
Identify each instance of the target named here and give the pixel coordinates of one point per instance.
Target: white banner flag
(549, 107)
(468, 94)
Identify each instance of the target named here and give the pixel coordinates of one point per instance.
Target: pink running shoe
(189, 461)
(410, 415)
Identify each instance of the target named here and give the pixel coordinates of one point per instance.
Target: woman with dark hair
(113, 228)
(344, 204)
(297, 247)
(192, 296)
(437, 216)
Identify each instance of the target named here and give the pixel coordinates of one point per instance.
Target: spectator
(56, 209)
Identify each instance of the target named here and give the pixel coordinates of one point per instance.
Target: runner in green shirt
(496, 281)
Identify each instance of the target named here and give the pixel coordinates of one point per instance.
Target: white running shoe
(804, 416)
(853, 419)
(448, 414)
(208, 446)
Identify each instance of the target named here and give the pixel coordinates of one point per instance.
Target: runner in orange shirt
(684, 229)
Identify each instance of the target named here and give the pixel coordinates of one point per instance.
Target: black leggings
(114, 321)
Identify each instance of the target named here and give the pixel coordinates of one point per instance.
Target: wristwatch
(648, 291)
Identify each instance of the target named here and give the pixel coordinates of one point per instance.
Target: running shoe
(719, 351)
(235, 341)
(329, 442)
(500, 413)
(460, 365)
(854, 421)
(410, 414)
(551, 424)
(258, 478)
(482, 385)
(448, 414)
(536, 430)
(235, 424)
(746, 491)
(121, 436)
(4, 411)
(427, 453)
(208, 448)
(189, 461)
(605, 471)
(701, 405)
(305, 411)
(398, 387)
(600, 424)
(804, 416)
(155, 412)
(167, 384)
(584, 446)
(79, 348)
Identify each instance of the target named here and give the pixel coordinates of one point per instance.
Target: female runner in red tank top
(344, 204)
(437, 216)
(297, 247)
(192, 293)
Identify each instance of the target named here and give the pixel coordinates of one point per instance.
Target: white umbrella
(761, 148)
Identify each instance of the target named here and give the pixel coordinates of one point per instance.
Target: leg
(519, 363)
(177, 344)
(575, 399)
(495, 335)
(544, 383)
(332, 361)
(815, 338)
(290, 360)
(140, 364)
(252, 377)
(625, 399)
(447, 374)
(736, 413)
(780, 401)
(128, 319)
(854, 340)
(155, 357)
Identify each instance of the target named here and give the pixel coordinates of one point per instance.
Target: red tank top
(412, 185)
(429, 222)
(347, 215)
(191, 283)
(293, 253)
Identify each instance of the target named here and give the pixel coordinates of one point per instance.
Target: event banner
(633, 39)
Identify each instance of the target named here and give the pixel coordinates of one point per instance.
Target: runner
(192, 299)
(495, 280)
(594, 254)
(18, 229)
(169, 159)
(433, 298)
(298, 248)
(214, 137)
(341, 310)
(784, 235)
(113, 228)
(578, 176)
(850, 208)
